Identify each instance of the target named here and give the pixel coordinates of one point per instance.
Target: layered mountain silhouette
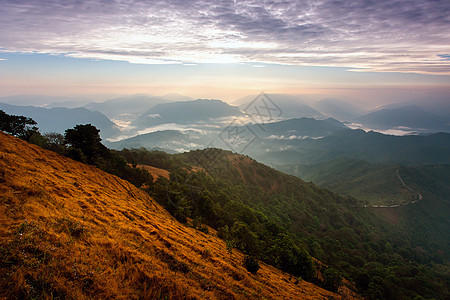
(358, 144)
(338, 109)
(128, 108)
(409, 117)
(290, 106)
(186, 112)
(59, 119)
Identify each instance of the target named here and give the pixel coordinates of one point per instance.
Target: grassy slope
(73, 231)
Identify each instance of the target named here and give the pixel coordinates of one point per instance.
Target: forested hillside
(264, 211)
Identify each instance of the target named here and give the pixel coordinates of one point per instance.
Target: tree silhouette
(87, 139)
(19, 126)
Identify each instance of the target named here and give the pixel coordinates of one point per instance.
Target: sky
(379, 51)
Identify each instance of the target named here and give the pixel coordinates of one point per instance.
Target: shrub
(332, 279)
(251, 264)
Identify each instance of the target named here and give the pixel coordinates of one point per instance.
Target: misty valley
(301, 186)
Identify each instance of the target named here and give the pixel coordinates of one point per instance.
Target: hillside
(388, 253)
(72, 231)
(375, 183)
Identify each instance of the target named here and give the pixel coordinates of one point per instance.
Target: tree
(230, 245)
(332, 279)
(290, 258)
(55, 142)
(19, 126)
(87, 139)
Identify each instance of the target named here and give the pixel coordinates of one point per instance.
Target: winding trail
(413, 191)
(402, 204)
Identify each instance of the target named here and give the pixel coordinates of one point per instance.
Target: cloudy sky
(224, 48)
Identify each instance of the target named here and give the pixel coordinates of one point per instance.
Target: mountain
(59, 119)
(186, 112)
(358, 144)
(128, 108)
(435, 105)
(171, 140)
(185, 140)
(72, 231)
(409, 117)
(338, 109)
(299, 127)
(45, 101)
(287, 106)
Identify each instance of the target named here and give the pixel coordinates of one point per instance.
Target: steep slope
(72, 231)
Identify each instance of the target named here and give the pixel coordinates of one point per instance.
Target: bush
(332, 279)
(251, 264)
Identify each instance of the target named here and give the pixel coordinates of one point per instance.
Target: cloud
(395, 35)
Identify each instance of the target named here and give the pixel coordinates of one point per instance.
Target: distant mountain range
(186, 112)
(45, 101)
(299, 128)
(409, 117)
(61, 118)
(129, 108)
(273, 134)
(358, 144)
(338, 109)
(166, 140)
(290, 106)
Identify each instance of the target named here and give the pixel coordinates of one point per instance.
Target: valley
(368, 208)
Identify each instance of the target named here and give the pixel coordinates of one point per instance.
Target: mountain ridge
(58, 119)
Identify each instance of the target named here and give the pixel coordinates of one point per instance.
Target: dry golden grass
(69, 230)
(156, 172)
